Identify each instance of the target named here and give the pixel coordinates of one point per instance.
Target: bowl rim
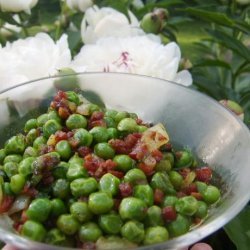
(189, 238)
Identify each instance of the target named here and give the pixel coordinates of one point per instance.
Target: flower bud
(17, 5)
(234, 107)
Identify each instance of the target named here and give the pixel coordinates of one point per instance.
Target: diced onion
(21, 203)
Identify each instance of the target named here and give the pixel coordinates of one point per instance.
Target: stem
(25, 30)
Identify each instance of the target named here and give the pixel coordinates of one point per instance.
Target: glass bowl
(192, 119)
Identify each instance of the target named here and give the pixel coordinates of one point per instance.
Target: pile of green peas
(83, 184)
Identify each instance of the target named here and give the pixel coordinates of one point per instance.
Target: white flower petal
(81, 5)
(184, 78)
(17, 5)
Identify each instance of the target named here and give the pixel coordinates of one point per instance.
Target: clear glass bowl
(192, 119)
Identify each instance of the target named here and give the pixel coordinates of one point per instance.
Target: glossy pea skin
(110, 122)
(63, 148)
(104, 150)
(55, 237)
(39, 209)
(50, 127)
(10, 168)
(211, 194)
(110, 113)
(124, 162)
(89, 232)
(60, 171)
(154, 217)
(183, 159)
(42, 119)
(6, 189)
(24, 166)
(83, 186)
(31, 136)
(176, 179)
(179, 226)
(202, 210)
(99, 134)
(112, 133)
(109, 183)
(154, 235)
(100, 203)
(110, 223)
(127, 124)
(132, 208)
(75, 121)
(133, 231)
(13, 158)
(15, 145)
(145, 193)
(161, 181)
(76, 171)
(80, 211)
(186, 205)
(61, 189)
(2, 155)
(30, 152)
(33, 230)
(73, 97)
(57, 207)
(135, 176)
(68, 224)
(164, 164)
(53, 115)
(169, 200)
(141, 128)
(201, 186)
(120, 115)
(39, 142)
(30, 124)
(83, 137)
(76, 159)
(17, 183)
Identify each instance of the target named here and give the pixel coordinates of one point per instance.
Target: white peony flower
(31, 58)
(17, 5)
(105, 22)
(81, 5)
(137, 55)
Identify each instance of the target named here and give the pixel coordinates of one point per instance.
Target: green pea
(33, 230)
(76, 159)
(211, 194)
(83, 137)
(39, 209)
(154, 235)
(145, 193)
(60, 171)
(24, 167)
(127, 124)
(110, 123)
(154, 217)
(39, 142)
(68, 224)
(142, 128)
(6, 189)
(30, 124)
(10, 168)
(183, 159)
(109, 183)
(75, 121)
(31, 136)
(120, 115)
(61, 189)
(42, 119)
(104, 150)
(30, 152)
(83, 186)
(13, 158)
(179, 226)
(201, 186)
(186, 205)
(64, 149)
(89, 232)
(76, 171)
(161, 181)
(50, 127)
(110, 223)
(55, 237)
(73, 97)
(111, 113)
(3, 176)
(17, 183)
(169, 200)
(53, 115)
(176, 179)
(57, 207)
(93, 108)
(132, 208)
(124, 162)
(100, 202)
(133, 231)
(100, 134)
(112, 133)
(81, 211)
(164, 164)
(2, 155)
(135, 176)
(15, 145)
(202, 210)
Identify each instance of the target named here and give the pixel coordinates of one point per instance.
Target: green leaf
(238, 229)
(231, 43)
(211, 16)
(212, 63)
(7, 17)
